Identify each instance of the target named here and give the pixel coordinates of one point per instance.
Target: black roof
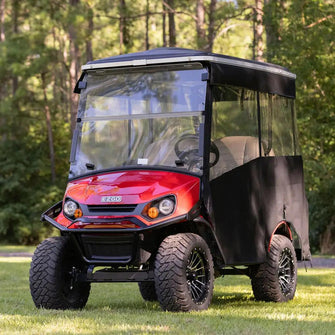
(260, 76)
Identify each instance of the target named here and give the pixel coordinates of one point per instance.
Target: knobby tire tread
(46, 282)
(264, 280)
(170, 277)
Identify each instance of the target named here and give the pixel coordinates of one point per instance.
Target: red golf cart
(185, 166)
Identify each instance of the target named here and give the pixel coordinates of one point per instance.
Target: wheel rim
(197, 275)
(286, 272)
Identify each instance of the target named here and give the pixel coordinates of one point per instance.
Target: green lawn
(119, 309)
(6, 248)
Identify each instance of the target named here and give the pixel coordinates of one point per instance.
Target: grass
(119, 309)
(6, 248)
(324, 256)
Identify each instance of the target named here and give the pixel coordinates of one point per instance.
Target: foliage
(118, 308)
(308, 49)
(43, 43)
(21, 165)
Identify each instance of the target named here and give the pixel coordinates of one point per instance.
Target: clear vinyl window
(234, 127)
(239, 136)
(279, 134)
(137, 118)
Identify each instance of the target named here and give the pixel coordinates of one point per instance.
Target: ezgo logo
(111, 198)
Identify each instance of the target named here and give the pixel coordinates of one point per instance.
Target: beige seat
(234, 151)
(161, 152)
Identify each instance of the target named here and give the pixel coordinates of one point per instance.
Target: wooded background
(43, 43)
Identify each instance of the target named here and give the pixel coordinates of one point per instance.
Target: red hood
(134, 186)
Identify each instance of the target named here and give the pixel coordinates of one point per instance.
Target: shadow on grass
(230, 298)
(218, 301)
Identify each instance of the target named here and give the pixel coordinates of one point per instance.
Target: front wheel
(276, 279)
(53, 278)
(184, 276)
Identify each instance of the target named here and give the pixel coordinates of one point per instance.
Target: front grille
(111, 208)
(113, 248)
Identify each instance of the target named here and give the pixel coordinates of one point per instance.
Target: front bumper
(54, 211)
(112, 246)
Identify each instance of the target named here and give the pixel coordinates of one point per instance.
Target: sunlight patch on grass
(7, 248)
(15, 259)
(71, 324)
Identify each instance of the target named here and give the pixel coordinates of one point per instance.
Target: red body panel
(135, 187)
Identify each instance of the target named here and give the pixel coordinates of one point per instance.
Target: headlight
(166, 206)
(71, 209)
(160, 207)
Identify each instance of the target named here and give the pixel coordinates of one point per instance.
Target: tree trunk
(49, 130)
(172, 25)
(200, 24)
(2, 87)
(164, 24)
(258, 31)
(15, 5)
(122, 25)
(2, 20)
(147, 45)
(74, 69)
(211, 22)
(89, 52)
(63, 79)
(270, 30)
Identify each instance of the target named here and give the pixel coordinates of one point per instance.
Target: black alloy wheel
(286, 271)
(197, 273)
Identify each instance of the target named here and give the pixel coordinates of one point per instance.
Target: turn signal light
(153, 212)
(78, 213)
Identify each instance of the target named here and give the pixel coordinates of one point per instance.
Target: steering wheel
(187, 150)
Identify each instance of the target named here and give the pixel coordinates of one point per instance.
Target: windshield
(131, 118)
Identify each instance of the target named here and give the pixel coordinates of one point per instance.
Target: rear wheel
(276, 279)
(148, 290)
(184, 276)
(53, 276)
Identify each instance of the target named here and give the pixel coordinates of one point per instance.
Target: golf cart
(185, 166)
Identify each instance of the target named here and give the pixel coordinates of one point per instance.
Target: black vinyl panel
(253, 79)
(249, 202)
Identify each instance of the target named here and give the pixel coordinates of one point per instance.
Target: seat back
(161, 152)
(234, 151)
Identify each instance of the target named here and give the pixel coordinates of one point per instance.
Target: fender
(282, 228)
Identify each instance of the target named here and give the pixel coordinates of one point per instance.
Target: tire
(184, 275)
(51, 284)
(276, 279)
(148, 290)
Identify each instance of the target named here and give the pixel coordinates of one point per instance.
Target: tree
(205, 39)
(200, 24)
(43, 43)
(258, 31)
(74, 59)
(2, 20)
(274, 15)
(169, 4)
(306, 47)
